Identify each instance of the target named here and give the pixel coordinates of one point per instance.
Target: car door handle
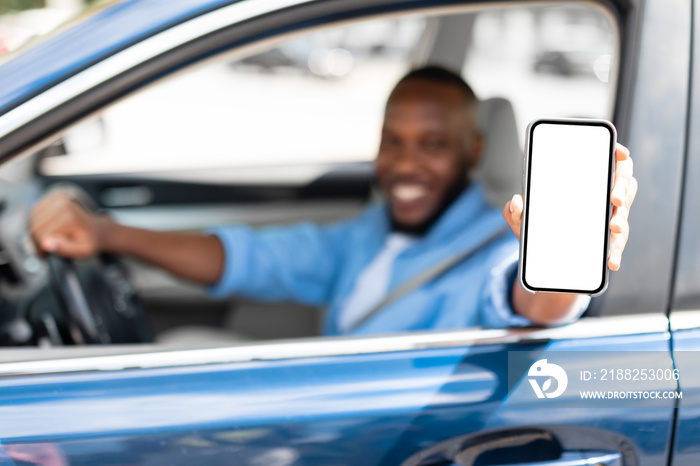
(576, 458)
(517, 447)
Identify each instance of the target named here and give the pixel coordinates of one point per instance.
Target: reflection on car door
(404, 399)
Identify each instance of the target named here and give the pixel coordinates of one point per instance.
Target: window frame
(237, 32)
(23, 131)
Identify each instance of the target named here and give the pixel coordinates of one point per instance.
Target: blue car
(112, 362)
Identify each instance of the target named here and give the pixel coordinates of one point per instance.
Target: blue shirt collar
(463, 211)
(469, 206)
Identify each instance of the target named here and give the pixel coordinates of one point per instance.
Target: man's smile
(406, 194)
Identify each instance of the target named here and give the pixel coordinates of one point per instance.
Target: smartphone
(565, 231)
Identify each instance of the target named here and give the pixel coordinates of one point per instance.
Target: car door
(684, 310)
(423, 399)
(458, 397)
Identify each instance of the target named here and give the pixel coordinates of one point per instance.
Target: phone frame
(526, 198)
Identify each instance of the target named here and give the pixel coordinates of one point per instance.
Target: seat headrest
(500, 168)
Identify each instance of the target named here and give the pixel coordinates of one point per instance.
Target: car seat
(500, 168)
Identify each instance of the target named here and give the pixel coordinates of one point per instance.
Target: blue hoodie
(318, 265)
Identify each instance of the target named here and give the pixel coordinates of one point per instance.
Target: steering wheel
(98, 301)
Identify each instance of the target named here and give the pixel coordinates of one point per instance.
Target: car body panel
(355, 400)
(655, 125)
(89, 41)
(686, 347)
(375, 408)
(686, 292)
(685, 318)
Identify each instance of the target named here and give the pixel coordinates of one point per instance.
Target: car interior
(286, 133)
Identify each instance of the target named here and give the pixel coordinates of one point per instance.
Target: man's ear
(477, 147)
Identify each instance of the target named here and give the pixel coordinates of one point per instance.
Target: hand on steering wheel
(100, 304)
(98, 301)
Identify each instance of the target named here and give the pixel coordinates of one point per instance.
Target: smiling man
(431, 214)
(429, 143)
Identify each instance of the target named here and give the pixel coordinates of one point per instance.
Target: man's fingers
(617, 246)
(41, 214)
(48, 207)
(624, 168)
(619, 220)
(621, 152)
(49, 244)
(631, 192)
(48, 217)
(513, 213)
(58, 225)
(57, 221)
(66, 246)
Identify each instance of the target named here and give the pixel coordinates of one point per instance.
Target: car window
(554, 61)
(319, 97)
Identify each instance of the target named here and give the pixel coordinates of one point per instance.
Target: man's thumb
(50, 244)
(516, 205)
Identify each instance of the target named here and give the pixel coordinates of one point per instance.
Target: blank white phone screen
(567, 207)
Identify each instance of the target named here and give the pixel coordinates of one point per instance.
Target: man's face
(429, 141)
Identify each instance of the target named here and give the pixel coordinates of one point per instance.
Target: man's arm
(60, 225)
(292, 263)
(550, 308)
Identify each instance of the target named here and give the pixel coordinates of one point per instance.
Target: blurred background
(285, 129)
(24, 20)
(319, 97)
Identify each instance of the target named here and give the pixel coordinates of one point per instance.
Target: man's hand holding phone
(623, 193)
(552, 308)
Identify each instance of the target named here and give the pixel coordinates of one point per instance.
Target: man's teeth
(408, 193)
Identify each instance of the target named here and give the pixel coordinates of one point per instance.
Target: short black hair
(440, 75)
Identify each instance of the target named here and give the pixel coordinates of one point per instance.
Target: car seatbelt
(429, 275)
